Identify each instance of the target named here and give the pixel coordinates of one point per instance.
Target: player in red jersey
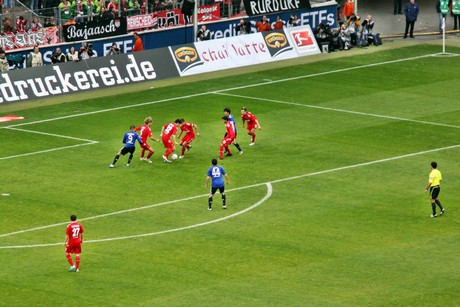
(252, 125)
(146, 133)
(191, 130)
(168, 131)
(228, 139)
(72, 243)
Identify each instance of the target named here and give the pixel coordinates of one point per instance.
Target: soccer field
(327, 209)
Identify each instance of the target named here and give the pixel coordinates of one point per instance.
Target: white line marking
(240, 188)
(222, 90)
(88, 142)
(342, 110)
(267, 196)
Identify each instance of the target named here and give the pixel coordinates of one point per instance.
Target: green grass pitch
(327, 209)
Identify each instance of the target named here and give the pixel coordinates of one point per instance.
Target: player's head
(214, 161)
(178, 121)
(148, 120)
(227, 111)
(73, 217)
(243, 110)
(225, 118)
(132, 127)
(434, 164)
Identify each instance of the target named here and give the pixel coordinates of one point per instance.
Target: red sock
(183, 150)
(77, 261)
(69, 258)
(253, 136)
(221, 152)
(149, 155)
(168, 152)
(228, 150)
(142, 152)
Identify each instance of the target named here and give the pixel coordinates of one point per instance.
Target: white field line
(222, 90)
(341, 110)
(88, 142)
(198, 196)
(267, 196)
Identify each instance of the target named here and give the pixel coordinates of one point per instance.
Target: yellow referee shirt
(435, 178)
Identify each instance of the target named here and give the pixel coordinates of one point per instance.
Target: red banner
(172, 18)
(23, 39)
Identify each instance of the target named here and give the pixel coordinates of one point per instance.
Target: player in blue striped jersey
(129, 139)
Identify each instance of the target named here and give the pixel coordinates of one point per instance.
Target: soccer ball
(173, 157)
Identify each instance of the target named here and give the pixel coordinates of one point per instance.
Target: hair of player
(227, 110)
(214, 161)
(225, 118)
(178, 121)
(244, 109)
(73, 217)
(132, 127)
(148, 120)
(434, 164)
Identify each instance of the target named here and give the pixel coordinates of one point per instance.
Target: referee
(434, 182)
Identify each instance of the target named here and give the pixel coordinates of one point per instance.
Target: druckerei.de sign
(74, 77)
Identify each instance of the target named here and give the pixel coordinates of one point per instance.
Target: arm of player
(66, 240)
(207, 181)
(154, 139)
(258, 125)
(428, 186)
(196, 129)
(226, 178)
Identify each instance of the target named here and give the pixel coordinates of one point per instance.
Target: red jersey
(230, 126)
(168, 130)
(146, 132)
(249, 117)
(74, 231)
(188, 128)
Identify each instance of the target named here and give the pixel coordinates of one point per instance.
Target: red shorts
(188, 138)
(227, 141)
(251, 125)
(73, 249)
(145, 146)
(168, 143)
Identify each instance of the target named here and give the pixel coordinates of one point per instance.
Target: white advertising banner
(243, 50)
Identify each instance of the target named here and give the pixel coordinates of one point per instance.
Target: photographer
(243, 27)
(203, 34)
(58, 56)
(353, 24)
(85, 51)
(113, 50)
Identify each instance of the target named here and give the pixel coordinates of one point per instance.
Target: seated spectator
(72, 55)
(21, 24)
(244, 27)
(58, 56)
(71, 21)
(113, 50)
(263, 24)
(113, 6)
(203, 34)
(353, 23)
(279, 24)
(7, 25)
(294, 20)
(35, 58)
(66, 8)
(134, 7)
(49, 22)
(4, 66)
(35, 25)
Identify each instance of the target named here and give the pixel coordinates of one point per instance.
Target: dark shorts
(126, 150)
(434, 191)
(214, 190)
